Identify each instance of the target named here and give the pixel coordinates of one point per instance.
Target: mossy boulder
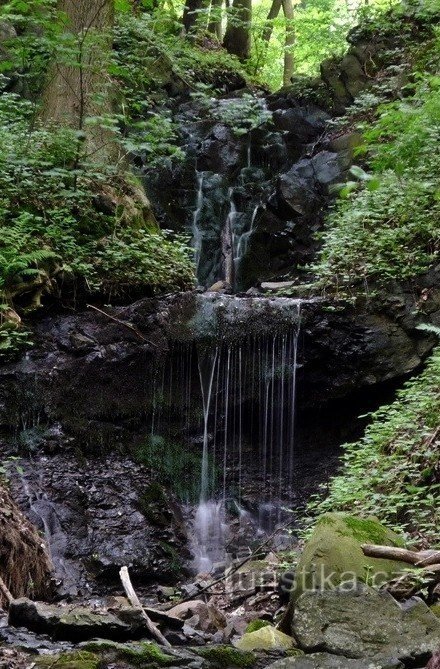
(364, 623)
(77, 660)
(333, 554)
(266, 638)
(226, 657)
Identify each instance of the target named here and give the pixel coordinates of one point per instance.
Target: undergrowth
(393, 472)
(384, 225)
(55, 226)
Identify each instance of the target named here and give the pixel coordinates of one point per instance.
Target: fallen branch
(123, 323)
(134, 601)
(416, 558)
(391, 553)
(5, 591)
(433, 558)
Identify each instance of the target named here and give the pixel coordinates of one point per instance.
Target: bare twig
(124, 323)
(134, 601)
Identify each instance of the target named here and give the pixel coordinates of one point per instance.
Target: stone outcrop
(73, 622)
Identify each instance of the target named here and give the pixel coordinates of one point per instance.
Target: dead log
(134, 601)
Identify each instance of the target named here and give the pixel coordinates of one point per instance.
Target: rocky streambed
(341, 615)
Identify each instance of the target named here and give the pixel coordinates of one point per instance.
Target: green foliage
(392, 472)
(53, 226)
(12, 342)
(151, 59)
(227, 657)
(386, 226)
(27, 53)
(156, 137)
(173, 464)
(243, 114)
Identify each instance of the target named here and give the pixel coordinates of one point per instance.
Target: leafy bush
(388, 227)
(393, 471)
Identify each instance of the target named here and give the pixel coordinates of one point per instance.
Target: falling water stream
(248, 392)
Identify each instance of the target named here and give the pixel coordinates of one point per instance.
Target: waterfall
(239, 375)
(271, 363)
(196, 232)
(206, 397)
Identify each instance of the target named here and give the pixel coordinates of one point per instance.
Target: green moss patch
(256, 624)
(142, 654)
(333, 554)
(226, 657)
(77, 660)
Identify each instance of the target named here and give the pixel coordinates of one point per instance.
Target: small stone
(166, 592)
(276, 285)
(266, 638)
(217, 287)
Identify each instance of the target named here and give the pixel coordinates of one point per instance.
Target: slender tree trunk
(215, 21)
(289, 63)
(238, 33)
(78, 87)
(273, 14)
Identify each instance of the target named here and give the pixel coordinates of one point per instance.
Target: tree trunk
(238, 33)
(78, 87)
(289, 43)
(215, 21)
(194, 16)
(273, 13)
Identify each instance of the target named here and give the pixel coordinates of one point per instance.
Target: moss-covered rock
(142, 654)
(333, 554)
(435, 608)
(81, 659)
(226, 657)
(256, 624)
(265, 638)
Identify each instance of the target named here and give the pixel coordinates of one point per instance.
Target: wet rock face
(94, 521)
(362, 346)
(231, 196)
(92, 379)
